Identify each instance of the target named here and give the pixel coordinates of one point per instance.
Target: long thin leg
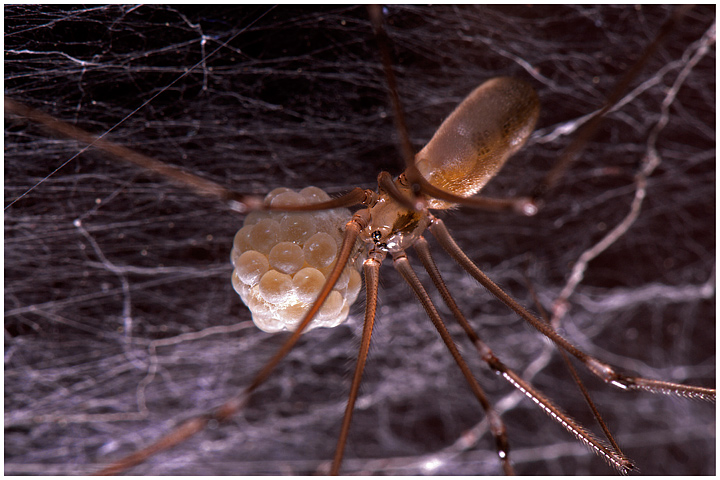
(194, 425)
(497, 427)
(386, 183)
(376, 17)
(580, 141)
(202, 186)
(576, 377)
(522, 205)
(530, 205)
(519, 205)
(371, 269)
(602, 370)
(611, 454)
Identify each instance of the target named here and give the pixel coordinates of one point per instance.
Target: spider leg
(576, 377)
(611, 454)
(386, 183)
(376, 18)
(196, 424)
(521, 205)
(371, 270)
(524, 205)
(235, 200)
(528, 205)
(497, 427)
(531, 204)
(650, 162)
(600, 369)
(577, 146)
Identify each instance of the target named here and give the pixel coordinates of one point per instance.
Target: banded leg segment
(610, 453)
(497, 427)
(371, 269)
(576, 377)
(598, 368)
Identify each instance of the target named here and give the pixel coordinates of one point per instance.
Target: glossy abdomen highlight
(473, 143)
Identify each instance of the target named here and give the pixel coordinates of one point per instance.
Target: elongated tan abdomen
(471, 145)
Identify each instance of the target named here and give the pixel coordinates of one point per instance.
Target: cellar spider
(261, 115)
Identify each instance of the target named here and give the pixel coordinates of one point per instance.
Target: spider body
(248, 119)
(468, 149)
(393, 228)
(472, 144)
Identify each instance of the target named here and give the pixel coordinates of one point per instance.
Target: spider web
(120, 319)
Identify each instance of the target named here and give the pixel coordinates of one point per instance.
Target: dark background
(119, 328)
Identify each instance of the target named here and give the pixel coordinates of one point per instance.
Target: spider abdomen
(473, 143)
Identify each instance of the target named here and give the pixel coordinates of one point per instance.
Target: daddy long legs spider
(273, 110)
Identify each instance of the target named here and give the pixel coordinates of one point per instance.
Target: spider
(148, 261)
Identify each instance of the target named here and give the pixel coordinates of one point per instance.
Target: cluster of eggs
(282, 259)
